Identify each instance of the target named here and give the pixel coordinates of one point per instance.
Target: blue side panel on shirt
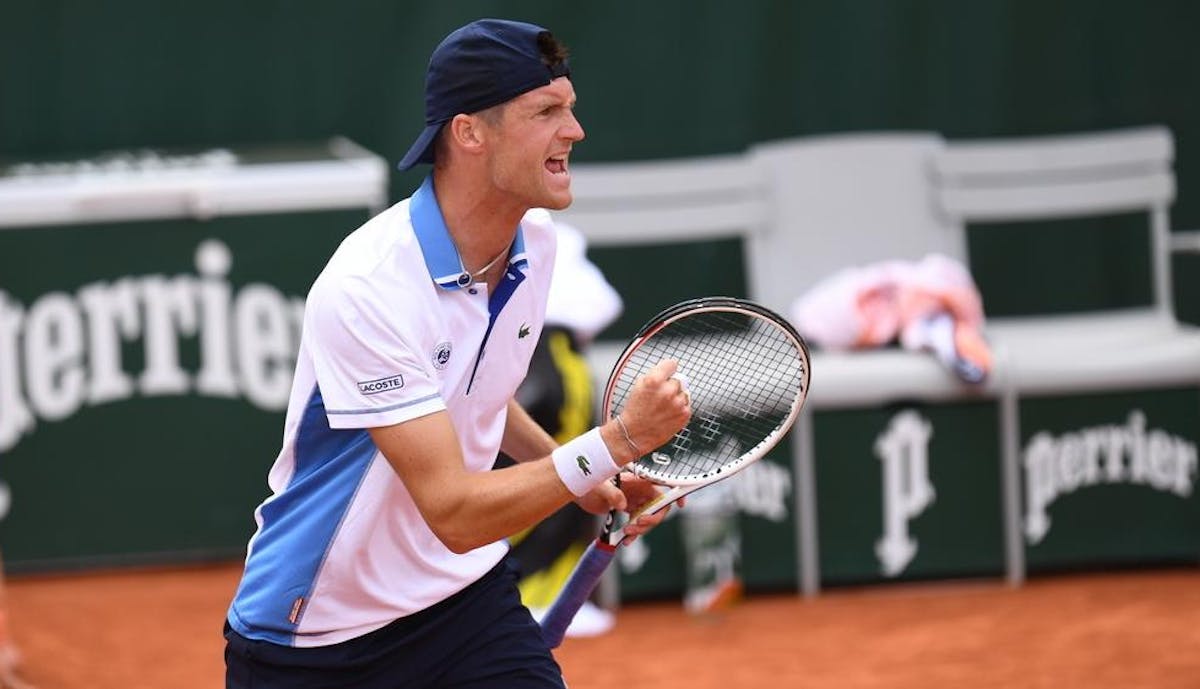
(299, 525)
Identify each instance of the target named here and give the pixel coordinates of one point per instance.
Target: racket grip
(575, 592)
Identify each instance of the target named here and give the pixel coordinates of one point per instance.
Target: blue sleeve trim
(393, 407)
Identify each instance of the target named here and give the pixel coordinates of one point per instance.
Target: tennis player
(379, 558)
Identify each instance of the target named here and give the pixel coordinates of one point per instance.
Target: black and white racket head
(747, 371)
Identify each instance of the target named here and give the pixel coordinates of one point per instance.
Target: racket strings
(744, 375)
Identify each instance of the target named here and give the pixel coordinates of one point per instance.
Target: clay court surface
(161, 630)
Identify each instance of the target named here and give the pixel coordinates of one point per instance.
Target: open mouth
(557, 166)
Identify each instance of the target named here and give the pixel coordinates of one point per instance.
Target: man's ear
(466, 132)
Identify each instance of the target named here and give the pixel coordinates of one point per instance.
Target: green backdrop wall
(655, 80)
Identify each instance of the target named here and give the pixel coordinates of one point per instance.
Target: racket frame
(680, 487)
(600, 553)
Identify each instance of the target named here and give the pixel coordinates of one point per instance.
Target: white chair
(836, 202)
(1079, 175)
(847, 200)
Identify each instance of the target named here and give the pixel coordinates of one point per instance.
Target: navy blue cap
(485, 63)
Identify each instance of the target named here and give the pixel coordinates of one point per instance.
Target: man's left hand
(633, 493)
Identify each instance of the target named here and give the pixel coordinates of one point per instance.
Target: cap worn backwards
(485, 63)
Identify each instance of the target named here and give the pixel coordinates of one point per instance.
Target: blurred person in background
(559, 393)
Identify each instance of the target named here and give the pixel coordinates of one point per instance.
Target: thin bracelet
(628, 439)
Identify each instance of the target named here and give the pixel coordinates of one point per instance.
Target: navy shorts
(480, 637)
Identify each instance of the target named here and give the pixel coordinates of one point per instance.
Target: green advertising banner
(153, 362)
(145, 364)
(1109, 479)
(1186, 271)
(908, 492)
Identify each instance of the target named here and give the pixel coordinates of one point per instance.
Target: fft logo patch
(441, 355)
(374, 387)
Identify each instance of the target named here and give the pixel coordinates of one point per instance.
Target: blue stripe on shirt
(390, 407)
(299, 526)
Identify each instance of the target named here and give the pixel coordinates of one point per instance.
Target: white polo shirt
(390, 334)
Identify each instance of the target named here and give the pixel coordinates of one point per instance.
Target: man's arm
(525, 440)
(466, 510)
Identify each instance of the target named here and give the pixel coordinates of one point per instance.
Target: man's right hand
(658, 407)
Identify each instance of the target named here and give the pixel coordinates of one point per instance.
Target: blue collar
(441, 256)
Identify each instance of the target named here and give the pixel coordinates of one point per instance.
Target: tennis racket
(746, 371)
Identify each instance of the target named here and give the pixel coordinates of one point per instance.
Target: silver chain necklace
(467, 279)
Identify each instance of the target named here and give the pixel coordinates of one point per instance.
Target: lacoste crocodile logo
(583, 465)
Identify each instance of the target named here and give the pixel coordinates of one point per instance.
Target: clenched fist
(658, 407)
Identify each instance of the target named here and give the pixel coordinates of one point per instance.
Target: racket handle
(575, 592)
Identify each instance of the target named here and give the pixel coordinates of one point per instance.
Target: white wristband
(584, 463)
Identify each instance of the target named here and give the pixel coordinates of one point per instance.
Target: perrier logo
(583, 465)
(523, 331)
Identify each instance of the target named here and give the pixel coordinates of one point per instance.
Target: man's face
(530, 144)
